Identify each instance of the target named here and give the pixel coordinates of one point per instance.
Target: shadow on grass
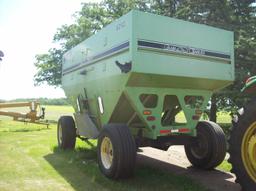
(29, 130)
(21, 130)
(79, 168)
(214, 180)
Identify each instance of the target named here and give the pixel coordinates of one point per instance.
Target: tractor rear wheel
(116, 151)
(242, 147)
(66, 132)
(208, 150)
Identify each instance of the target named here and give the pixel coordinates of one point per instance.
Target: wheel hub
(106, 152)
(249, 151)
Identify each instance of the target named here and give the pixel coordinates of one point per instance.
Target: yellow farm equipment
(31, 116)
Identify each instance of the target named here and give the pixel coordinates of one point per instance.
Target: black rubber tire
(240, 124)
(68, 131)
(214, 146)
(124, 151)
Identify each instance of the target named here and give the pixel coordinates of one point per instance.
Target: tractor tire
(208, 150)
(66, 132)
(116, 151)
(242, 147)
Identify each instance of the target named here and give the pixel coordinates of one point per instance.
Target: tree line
(234, 15)
(42, 101)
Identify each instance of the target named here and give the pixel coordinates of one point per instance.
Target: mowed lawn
(30, 160)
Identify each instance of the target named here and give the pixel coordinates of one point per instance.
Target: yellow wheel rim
(106, 152)
(248, 151)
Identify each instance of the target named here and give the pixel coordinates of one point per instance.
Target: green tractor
(242, 141)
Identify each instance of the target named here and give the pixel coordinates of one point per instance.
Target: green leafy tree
(49, 67)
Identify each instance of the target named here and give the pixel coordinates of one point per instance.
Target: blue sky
(26, 29)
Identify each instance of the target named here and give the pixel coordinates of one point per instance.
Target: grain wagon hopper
(144, 80)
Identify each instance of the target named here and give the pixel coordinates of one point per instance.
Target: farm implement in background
(31, 116)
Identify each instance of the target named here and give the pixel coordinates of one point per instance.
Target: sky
(26, 29)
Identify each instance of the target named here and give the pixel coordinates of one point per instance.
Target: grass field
(30, 160)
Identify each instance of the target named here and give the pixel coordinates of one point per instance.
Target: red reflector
(151, 118)
(165, 131)
(147, 112)
(184, 130)
(196, 117)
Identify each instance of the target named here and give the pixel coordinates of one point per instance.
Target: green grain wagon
(144, 80)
